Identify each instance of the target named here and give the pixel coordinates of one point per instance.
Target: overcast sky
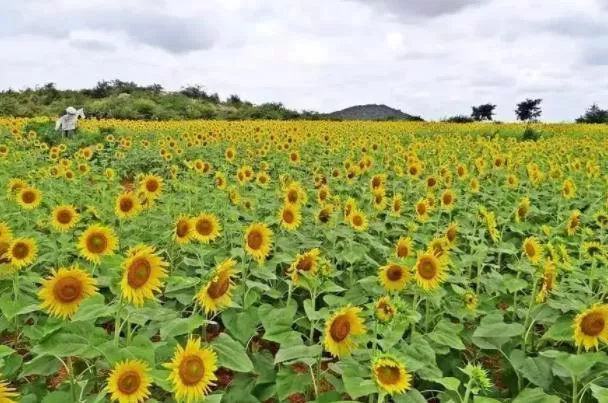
(433, 58)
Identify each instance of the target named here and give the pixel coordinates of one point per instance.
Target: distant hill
(371, 112)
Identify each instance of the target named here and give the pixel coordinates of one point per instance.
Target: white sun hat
(71, 110)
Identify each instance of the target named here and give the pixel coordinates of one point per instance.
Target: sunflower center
(530, 251)
(97, 243)
(593, 324)
(376, 182)
(402, 251)
(28, 197)
(3, 248)
(20, 250)
(288, 216)
(191, 370)
(394, 273)
(324, 216)
(431, 182)
(152, 185)
(255, 240)
(305, 263)
(340, 328)
(292, 196)
(219, 287)
(574, 222)
(67, 289)
(139, 272)
(378, 199)
(421, 208)
(182, 228)
(447, 199)
(126, 204)
(427, 269)
(397, 205)
(451, 234)
(129, 382)
(388, 375)
(323, 195)
(358, 220)
(204, 227)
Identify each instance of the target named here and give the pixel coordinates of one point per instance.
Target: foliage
(529, 110)
(594, 115)
(483, 112)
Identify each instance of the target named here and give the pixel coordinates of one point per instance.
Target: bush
(530, 134)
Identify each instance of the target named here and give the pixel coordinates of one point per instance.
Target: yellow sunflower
(573, 222)
(127, 206)
(152, 185)
(594, 251)
(192, 371)
(29, 198)
(393, 277)
(217, 293)
(6, 234)
(64, 218)
(305, 263)
(143, 272)
(522, 209)
(14, 186)
(548, 282)
(385, 309)
(591, 326)
(290, 217)
(568, 189)
(206, 227)
(451, 234)
(391, 375)
(403, 249)
(341, 330)
(349, 207)
(396, 205)
(358, 220)
(448, 199)
(220, 180)
(258, 238)
(430, 272)
(470, 300)
(295, 194)
(22, 252)
(324, 214)
(130, 381)
(532, 249)
(63, 292)
(7, 393)
(96, 242)
(422, 210)
(183, 232)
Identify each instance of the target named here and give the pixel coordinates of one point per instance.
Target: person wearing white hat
(68, 122)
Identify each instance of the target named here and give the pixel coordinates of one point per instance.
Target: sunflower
(474, 185)
(295, 194)
(258, 238)
(377, 182)
(217, 293)
(431, 182)
(130, 381)
(358, 220)
(63, 292)
(591, 326)
(448, 199)
(522, 209)
(341, 329)
(206, 227)
(532, 249)
(7, 393)
(324, 214)
(152, 185)
(14, 186)
(349, 207)
(391, 375)
(422, 210)
(393, 277)
(323, 194)
(290, 217)
(96, 242)
(568, 189)
(263, 179)
(127, 206)
(451, 233)
(192, 371)
(64, 218)
(143, 272)
(440, 247)
(379, 199)
(305, 263)
(29, 198)
(430, 272)
(594, 251)
(396, 205)
(230, 153)
(573, 222)
(403, 248)
(385, 309)
(22, 252)
(470, 300)
(220, 180)
(548, 282)
(5, 232)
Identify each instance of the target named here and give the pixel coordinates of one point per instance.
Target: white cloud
(433, 58)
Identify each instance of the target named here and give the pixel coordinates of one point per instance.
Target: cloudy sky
(429, 57)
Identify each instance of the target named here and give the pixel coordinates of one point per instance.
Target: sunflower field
(303, 262)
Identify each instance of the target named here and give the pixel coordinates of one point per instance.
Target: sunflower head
(192, 371)
(216, 294)
(258, 239)
(341, 330)
(307, 262)
(130, 381)
(22, 252)
(29, 198)
(7, 393)
(451, 234)
(6, 234)
(206, 227)
(64, 218)
(403, 249)
(358, 220)
(152, 185)
(183, 232)
(127, 206)
(430, 272)
(532, 250)
(470, 300)
(143, 272)
(96, 242)
(591, 327)
(391, 375)
(290, 217)
(385, 309)
(393, 277)
(573, 222)
(422, 209)
(63, 292)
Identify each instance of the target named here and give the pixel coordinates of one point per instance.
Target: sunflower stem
(313, 297)
(467, 393)
(574, 389)
(117, 326)
(414, 305)
(314, 382)
(72, 379)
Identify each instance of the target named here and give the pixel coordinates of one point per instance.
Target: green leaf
(159, 376)
(535, 396)
(290, 382)
(44, 365)
(5, 351)
(231, 354)
(498, 330)
(296, 352)
(482, 399)
(180, 326)
(93, 308)
(561, 330)
(577, 364)
(538, 371)
(57, 397)
(241, 324)
(412, 396)
(277, 324)
(600, 393)
(447, 334)
(449, 383)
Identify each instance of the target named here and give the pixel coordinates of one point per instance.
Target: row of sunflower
(274, 261)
